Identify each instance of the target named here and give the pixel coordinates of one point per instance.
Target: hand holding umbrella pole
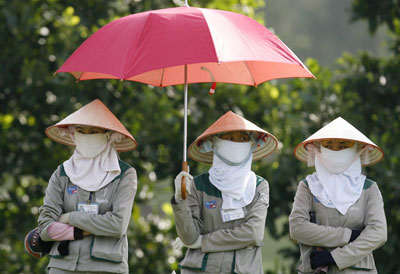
(185, 167)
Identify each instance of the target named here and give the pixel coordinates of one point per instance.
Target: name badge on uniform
(84, 207)
(232, 214)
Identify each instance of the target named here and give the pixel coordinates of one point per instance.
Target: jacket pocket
(366, 264)
(54, 253)
(194, 260)
(304, 265)
(248, 260)
(108, 249)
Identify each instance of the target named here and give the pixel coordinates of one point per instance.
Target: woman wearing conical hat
(223, 218)
(337, 216)
(89, 198)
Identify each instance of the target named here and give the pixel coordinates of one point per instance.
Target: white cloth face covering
(337, 190)
(337, 161)
(233, 153)
(237, 183)
(90, 145)
(94, 172)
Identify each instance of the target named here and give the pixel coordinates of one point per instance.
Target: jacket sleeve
(113, 223)
(372, 237)
(52, 207)
(187, 214)
(305, 232)
(250, 233)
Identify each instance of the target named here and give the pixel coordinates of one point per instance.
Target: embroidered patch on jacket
(72, 189)
(211, 204)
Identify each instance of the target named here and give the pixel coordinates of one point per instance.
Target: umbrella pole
(184, 163)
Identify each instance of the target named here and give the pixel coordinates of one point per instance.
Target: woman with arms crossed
(350, 219)
(88, 201)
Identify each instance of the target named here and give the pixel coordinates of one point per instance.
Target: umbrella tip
(186, 4)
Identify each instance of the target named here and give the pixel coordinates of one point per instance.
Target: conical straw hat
(341, 129)
(227, 123)
(94, 114)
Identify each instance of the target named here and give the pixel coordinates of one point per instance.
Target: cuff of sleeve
(173, 201)
(204, 243)
(179, 206)
(72, 218)
(346, 236)
(336, 258)
(340, 260)
(78, 234)
(45, 235)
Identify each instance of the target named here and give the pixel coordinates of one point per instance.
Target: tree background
(37, 37)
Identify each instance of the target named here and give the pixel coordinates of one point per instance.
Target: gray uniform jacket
(333, 230)
(107, 249)
(227, 247)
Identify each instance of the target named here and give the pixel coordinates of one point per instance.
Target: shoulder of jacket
(124, 167)
(368, 183)
(203, 184)
(304, 181)
(62, 171)
(260, 180)
(59, 176)
(303, 185)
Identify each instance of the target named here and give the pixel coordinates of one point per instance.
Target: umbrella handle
(185, 167)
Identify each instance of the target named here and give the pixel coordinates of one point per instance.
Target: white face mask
(338, 161)
(232, 153)
(90, 145)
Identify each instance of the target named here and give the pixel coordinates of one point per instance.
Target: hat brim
(94, 114)
(271, 144)
(343, 130)
(53, 132)
(231, 122)
(374, 156)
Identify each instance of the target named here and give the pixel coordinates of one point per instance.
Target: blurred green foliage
(380, 13)
(38, 36)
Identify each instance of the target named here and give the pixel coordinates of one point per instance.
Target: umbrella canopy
(154, 47)
(181, 46)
